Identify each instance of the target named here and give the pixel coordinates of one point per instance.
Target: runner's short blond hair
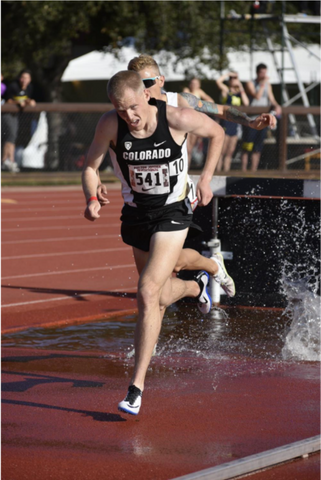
(139, 63)
(121, 81)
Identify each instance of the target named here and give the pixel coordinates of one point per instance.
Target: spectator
(261, 95)
(232, 94)
(19, 92)
(195, 89)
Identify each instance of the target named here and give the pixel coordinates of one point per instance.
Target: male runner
(147, 139)
(149, 72)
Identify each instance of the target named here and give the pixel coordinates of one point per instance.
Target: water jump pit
(220, 387)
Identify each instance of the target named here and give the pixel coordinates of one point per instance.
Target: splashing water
(302, 340)
(300, 285)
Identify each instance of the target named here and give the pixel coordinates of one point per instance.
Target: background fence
(56, 137)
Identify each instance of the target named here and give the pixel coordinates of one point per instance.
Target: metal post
(251, 46)
(282, 53)
(215, 246)
(222, 18)
(215, 217)
(300, 83)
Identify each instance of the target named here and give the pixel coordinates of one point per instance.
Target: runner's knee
(148, 293)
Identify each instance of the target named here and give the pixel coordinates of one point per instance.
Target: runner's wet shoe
(222, 277)
(131, 404)
(204, 298)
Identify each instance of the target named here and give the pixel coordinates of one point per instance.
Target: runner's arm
(225, 112)
(105, 132)
(188, 121)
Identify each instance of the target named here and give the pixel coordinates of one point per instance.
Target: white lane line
(54, 200)
(58, 254)
(58, 192)
(60, 239)
(53, 217)
(49, 209)
(66, 297)
(63, 272)
(60, 227)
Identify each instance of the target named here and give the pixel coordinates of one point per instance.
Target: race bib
(150, 179)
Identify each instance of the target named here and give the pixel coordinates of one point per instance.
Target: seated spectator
(232, 94)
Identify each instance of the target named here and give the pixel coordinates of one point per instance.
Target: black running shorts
(138, 225)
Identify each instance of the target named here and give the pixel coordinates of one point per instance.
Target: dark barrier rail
(56, 137)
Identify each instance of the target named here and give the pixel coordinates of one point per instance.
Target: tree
(43, 35)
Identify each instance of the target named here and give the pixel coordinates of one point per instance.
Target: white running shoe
(222, 277)
(204, 298)
(131, 404)
(9, 166)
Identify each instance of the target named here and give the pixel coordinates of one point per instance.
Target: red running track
(60, 417)
(57, 267)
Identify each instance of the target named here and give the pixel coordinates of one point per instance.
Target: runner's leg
(190, 259)
(155, 285)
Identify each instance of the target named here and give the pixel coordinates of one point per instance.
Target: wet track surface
(221, 387)
(217, 390)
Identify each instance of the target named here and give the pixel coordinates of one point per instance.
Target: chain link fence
(56, 137)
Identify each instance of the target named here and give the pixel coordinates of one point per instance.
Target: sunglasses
(233, 77)
(149, 82)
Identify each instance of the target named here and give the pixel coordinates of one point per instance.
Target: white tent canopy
(101, 66)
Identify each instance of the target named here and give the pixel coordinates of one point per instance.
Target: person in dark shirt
(19, 92)
(147, 137)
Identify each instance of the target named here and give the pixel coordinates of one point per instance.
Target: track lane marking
(57, 254)
(59, 239)
(48, 209)
(66, 297)
(59, 227)
(8, 201)
(65, 272)
(62, 217)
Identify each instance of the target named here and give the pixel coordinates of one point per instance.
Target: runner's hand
(101, 195)
(262, 121)
(204, 193)
(92, 209)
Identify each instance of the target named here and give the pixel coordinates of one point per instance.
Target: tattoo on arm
(234, 115)
(200, 105)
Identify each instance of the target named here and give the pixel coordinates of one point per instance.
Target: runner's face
(133, 108)
(155, 90)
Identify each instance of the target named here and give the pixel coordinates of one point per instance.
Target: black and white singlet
(153, 170)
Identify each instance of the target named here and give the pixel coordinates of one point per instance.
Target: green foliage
(43, 35)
